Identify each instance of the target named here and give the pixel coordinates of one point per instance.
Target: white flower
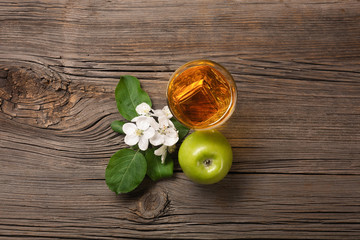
(143, 109)
(145, 128)
(145, 121)
(166, 134)
(164, 115)
(139, 133)
(163, 150)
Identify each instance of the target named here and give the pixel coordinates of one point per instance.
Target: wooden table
(295, 132)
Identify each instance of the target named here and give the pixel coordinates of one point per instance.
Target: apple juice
(201, 94)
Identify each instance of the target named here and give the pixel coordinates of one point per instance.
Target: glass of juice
(201, 94)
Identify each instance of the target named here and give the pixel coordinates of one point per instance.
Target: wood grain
(295, 132)
(242, 206)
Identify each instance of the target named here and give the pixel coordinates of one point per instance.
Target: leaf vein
(131, 162)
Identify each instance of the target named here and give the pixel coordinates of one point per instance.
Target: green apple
(205, 156)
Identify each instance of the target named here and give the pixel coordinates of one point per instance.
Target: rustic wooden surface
(295, 133)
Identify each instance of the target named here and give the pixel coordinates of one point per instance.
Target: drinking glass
(201, 94)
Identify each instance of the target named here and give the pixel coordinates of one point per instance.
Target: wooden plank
(242, 206)
(281, 124)
(133, 29)
(295, 132)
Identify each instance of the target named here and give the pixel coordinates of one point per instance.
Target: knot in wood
(33, 95)
(153, 204)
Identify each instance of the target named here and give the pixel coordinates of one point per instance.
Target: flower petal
(153, 123)
(158, 113)
(131, 140)
(161, 150)
(157, 139)
(171, 124)
(143, 108)
(166, 112)
(163, 157)
(149, 133)
(143, 123)
(169, 141)
(163, 121)
(171, 132)
(135, 119)
(129, 128)
(143, 143)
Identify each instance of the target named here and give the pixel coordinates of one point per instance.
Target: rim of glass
(233, 89)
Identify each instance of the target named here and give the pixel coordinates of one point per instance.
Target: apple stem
(207, 162)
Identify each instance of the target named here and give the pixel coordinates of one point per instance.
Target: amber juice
(201, 94)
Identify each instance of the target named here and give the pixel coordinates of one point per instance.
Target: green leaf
(183, 131)
(156, 170)
(117, 126)
(125, 171)
(128, 94)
